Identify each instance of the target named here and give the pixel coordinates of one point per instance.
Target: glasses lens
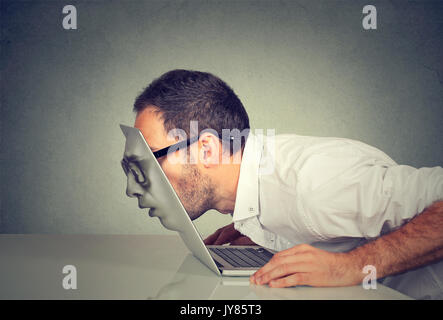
(138, 174)
(134, 169)
(125, 167)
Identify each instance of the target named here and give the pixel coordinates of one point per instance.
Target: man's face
(192, 186)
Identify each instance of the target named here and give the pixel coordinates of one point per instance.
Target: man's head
(168, 111)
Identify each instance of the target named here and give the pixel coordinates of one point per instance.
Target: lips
(143, 205)
(149, 206)
(146, 201)
(153, 213)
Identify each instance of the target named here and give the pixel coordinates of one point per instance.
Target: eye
(125, 167)
(138, 174)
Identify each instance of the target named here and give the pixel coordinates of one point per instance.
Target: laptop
(222, 260)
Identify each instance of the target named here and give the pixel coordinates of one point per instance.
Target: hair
(182, 96)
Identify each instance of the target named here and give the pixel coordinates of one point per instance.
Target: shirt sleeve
(357, 194)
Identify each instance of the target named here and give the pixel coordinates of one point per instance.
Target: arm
(228, 234)
(356, 195)
(417, 243)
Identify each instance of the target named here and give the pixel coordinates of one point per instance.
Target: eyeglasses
(174, 147)
(179, 145)
(134, 169)
(131, 166)
(137, 172)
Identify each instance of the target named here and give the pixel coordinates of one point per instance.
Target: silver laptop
(223, 260)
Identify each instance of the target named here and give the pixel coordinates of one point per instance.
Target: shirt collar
(247, 197)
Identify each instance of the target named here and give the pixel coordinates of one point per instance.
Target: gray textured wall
(306, 67)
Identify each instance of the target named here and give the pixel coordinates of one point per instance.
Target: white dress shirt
(332, 193)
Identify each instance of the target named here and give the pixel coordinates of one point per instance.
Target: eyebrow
(131, 158)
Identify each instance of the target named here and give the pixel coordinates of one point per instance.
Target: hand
(306, 265)
(228, 234)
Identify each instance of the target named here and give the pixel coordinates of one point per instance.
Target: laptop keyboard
(244, 257)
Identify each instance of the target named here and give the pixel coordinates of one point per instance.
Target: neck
(227, 192)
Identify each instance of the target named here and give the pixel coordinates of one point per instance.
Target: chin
(168, 224)
(153, 213)
(194, 215)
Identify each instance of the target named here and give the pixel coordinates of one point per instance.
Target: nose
(132, 194)
(132, 187)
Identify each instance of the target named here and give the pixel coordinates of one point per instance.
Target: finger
(211, 239)
(227, 236)
(242, 241)
(283, 270)
(275, 262)
(297, 279)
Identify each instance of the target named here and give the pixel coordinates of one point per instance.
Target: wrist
(353, 268)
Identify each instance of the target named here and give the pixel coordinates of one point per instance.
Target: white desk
(134, 267)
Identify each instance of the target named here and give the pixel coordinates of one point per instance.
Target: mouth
(141, 205)
(151, 212)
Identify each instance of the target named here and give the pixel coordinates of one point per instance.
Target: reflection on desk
(134, 267)
(195, 281)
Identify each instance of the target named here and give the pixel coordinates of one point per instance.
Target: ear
(210, 149)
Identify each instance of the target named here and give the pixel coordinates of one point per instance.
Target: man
(330, 206)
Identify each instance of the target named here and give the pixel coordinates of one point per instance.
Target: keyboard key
(244, 257)
(261, 253)
(231, 259)
(252, 254)
(237, 258)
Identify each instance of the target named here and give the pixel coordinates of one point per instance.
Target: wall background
(306, 67)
